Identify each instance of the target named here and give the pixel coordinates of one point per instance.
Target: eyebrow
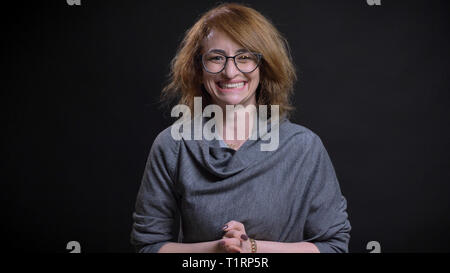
(215, 50)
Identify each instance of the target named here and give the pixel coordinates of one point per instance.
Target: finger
(234, 225)
(236, 234)
(222, 245)
(232, 234)
(234, 249)
(231, 241)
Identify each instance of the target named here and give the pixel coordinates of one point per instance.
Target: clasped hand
(235, 239)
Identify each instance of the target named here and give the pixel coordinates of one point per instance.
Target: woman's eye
(216, 58)
(246, 57)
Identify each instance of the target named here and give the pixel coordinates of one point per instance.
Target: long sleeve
(156, 217)
(327, 224)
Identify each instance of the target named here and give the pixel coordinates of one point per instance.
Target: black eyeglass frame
(259, 55)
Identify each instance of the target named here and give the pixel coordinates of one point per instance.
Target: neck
(237, 122)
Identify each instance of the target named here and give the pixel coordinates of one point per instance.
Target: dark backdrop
(80, 112)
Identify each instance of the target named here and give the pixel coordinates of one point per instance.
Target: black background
(80, 111)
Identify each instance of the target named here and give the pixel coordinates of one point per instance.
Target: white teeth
(231, 85)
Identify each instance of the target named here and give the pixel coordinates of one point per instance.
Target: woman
(228, 194)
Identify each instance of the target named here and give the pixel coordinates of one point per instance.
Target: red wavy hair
(254, 32)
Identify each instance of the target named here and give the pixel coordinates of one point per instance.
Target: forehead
(220, 40)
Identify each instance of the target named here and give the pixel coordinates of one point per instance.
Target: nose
(230, 69)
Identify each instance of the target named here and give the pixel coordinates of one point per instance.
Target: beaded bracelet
(253, 244)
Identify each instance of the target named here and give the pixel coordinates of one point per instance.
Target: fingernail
(244, 237)
(225, 227)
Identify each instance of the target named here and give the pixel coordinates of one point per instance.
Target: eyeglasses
(245, 62)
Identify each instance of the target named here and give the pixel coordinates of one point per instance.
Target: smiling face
(230, 86)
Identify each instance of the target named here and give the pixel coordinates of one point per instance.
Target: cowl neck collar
(224, 162)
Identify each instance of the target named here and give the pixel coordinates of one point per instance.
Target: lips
(231, 86)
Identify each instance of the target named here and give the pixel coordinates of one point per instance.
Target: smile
(234, 86)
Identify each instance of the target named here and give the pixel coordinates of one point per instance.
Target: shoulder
(164, 142)
(302, 135)
(164, 152)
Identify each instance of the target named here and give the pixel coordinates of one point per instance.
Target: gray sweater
(191, 188)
